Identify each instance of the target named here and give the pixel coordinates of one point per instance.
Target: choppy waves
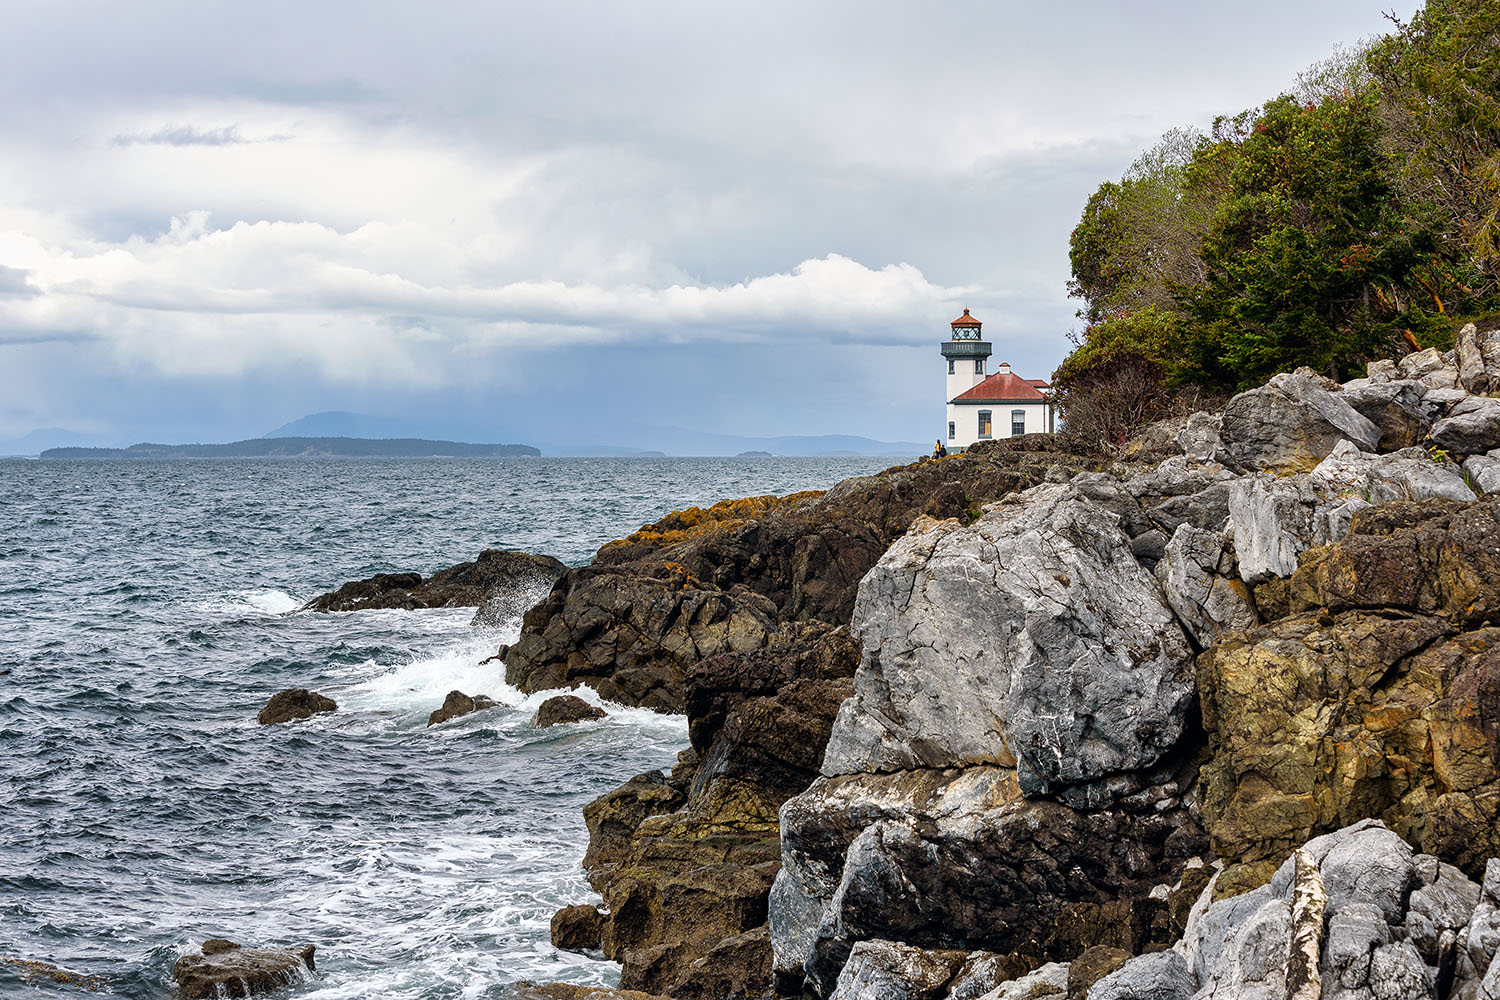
(149, 611)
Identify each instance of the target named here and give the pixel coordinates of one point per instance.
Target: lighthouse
(967, 355)
(981, 405)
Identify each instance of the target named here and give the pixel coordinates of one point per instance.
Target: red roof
(966, 320)
(1004, 387)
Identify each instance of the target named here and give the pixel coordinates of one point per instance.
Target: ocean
(149, 609)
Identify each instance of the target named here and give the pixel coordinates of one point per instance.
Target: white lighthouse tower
(967, 355)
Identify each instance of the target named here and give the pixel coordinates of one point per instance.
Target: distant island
(305, 447)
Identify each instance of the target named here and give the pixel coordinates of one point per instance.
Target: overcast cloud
(546, 221)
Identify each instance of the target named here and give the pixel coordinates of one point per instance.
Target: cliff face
(1068, 708)
(729, 579)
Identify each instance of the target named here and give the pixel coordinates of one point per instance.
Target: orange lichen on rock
(726, 514)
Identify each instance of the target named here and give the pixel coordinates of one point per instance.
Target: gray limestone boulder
(1398, 407)
(1472, 375)
(889, 970)
(1291, 424)
(1489, 352)
(1408, 474)
(1433, 367)
(1273, 520)
(1471, 427)
(1478, 944)
(1484, 470)
(1199, 439)
(1048, 980)
(984, 972)
(1031, 638)
(1200, 578)
(1161, 976)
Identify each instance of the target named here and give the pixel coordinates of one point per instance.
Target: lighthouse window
(979, 366)
(1017, 423)
(952, 430)
(984, 423)
(950, 366)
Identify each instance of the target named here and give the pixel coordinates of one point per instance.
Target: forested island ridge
(304, 447)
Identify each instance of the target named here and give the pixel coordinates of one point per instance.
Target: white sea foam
(246, 603)
(422, 684)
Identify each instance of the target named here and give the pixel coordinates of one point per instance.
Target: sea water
(149, 609)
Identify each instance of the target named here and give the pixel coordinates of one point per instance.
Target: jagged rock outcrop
(1032, 638)
(1378, 696)
(685, 862)
(293, 704)
(868, 857)
(1354, 915)
(498, 582)
(226, 969)
(1015, 766)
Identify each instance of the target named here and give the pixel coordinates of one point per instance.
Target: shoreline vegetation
(1353, 218)
(302, 447)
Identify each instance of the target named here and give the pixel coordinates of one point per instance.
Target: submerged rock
(565, 708)
(458, 704)
(293, 704)
(226, 969)
(39, 974)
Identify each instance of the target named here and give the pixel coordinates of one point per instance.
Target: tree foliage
(1352, 218)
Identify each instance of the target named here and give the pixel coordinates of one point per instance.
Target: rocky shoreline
(966, 718)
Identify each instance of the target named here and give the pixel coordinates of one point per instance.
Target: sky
(572, 221)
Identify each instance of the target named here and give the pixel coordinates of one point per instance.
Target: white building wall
(965, 420)
(964, 377)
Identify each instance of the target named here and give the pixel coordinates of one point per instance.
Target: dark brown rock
(1092, 966)
(577, 928)
(738, 967)
(459, 704)
(1378, 697)
(469, 584)
(292, 704)
(225, 968)
(685, 862)
(565, 708)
